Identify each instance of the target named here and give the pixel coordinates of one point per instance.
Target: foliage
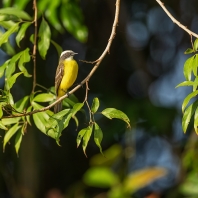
(17, 115)
(191, 79)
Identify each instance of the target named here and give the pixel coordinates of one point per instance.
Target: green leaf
(6, 35)
(98, 135)
(187, 99)
(114, 113)
(39, 121)
(188, 68)
(86, 138)
(2, 126)
(24, 58)
(189, 51)
(58, 47)
(9, 134)
(195, 64)
(7, 24)
(21, 105)
(185, 83)
(195, 84)
(21, 32)
(44, 97)
(80, 136)
(2, 68)
(29, 109)
(188, 114)
(196, 45)
(101, 177)
(18, 140)
(95, 105)
(21, 4)
(10, 69)
(44, 38)
(8, 17)
(1, 110)
(17, 12)
(9, 121)
(10, 81)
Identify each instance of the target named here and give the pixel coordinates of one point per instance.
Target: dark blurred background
(138, 77)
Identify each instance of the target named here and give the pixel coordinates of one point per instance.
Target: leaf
(24, 58)
(58, 47)
(21, 105)
(196, 45)
(44, 97)
(188, 68)
(101, 177)
(86, 138)
(9, 134)
(10, 81)
(44, 38)
(2, 126)
(2, 68)
(21, 32)
(188, 98)
(17, 12)
(195, 84)
(80, 136)
(9, 121)
(98, 135)
(141, 178)
(188, 114)
(114, 113)
(6, 35)
(185, 83)
(18, 140)
(10, 69)
(189, 51)
(21, 4)
(95, 105)
(195, 64)
(7, 24)
(29, 109)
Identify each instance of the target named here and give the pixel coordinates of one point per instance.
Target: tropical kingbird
(66, 75)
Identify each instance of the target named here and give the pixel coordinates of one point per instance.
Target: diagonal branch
(175, 21)
(98, 61)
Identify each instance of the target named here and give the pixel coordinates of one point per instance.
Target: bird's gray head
(68, 54)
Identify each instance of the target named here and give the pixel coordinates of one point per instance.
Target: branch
(35, 43)
(98, 61)
(175, 21)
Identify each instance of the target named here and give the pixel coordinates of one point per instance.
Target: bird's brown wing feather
(59, 76)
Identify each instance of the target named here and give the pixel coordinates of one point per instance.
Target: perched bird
(66, 75)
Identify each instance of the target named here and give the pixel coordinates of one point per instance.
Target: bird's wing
(59, 76)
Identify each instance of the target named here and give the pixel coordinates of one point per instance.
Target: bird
(66, 74)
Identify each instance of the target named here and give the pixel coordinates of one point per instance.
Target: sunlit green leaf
(185, 83)
(95, 105)
(10, 81)
(44, 97)
(7, 24)
(8, 121)
(2, 68)
(195, 64)
(21, 105)
(188, 68)
(6, 35)
(21, 4)
(189, 51)
(21, 32)
(195, 84)
(10, 69)
(196, 45)
(2, 126)
(18, 140)
(188, 98)
(9, 134)
(8, 17)
(44, 38)
(17, 12)
(25, 58)
(114, 113)
(80, 136)
(196, 121)
(86, 138)
(29, 109)
(101, 177)
(188, 114)
(58, 47)
(98, 135)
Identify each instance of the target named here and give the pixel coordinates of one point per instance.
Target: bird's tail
(58, 107)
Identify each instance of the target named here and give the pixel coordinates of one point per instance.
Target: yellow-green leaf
(95, 105)
(98, 135)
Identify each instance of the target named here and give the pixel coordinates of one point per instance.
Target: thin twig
(175, 21)
(99, 60)
(35, 44)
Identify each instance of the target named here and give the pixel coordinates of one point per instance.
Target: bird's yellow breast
(69, 77)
